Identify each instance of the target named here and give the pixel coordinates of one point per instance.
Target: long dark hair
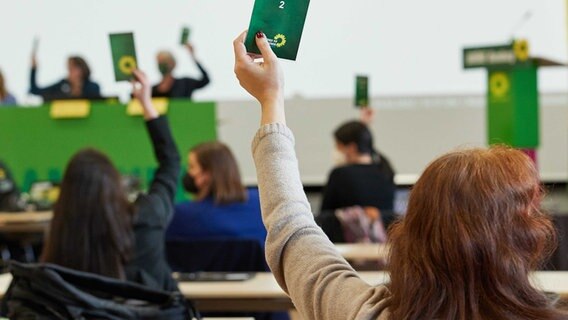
(91, 229)
(472, 234)
(83, 65)
(218, 160)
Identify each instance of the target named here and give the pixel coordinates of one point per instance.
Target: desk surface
(363, 251)
(262, 293)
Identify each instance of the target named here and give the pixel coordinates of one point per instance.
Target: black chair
(220, 255)
(216, 255)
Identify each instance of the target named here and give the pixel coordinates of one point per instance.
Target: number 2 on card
(282, 3)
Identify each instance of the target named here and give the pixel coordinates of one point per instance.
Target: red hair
(472, 234)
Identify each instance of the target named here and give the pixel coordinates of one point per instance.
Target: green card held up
(123, 55)
(185, 35)
(282, 21)
(362, 91)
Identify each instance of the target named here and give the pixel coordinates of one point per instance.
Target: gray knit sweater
(322, 285)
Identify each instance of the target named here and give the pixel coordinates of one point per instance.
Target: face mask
(164, 68)
(189, 184)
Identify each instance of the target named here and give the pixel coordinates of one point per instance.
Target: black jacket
(62, 89)
(184, 87)
(154, 211)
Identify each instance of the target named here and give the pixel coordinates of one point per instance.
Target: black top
(62, 89)
(360, 185)
(154, 211)
(184, 87)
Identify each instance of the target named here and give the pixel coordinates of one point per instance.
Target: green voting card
(123, 55)
(185, 35)
(282, 21)
(362, 91)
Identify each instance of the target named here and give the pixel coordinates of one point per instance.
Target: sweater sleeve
(321, 284)
(158, 203)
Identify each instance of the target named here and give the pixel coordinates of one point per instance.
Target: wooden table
(25, 222)
(262, 293)
(363, 251)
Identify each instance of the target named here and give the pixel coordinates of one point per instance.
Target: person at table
(6, 99)
(77, 84)
(363, 181)
(172, 87)
(472, 234)
(221, 207)
(96, 229)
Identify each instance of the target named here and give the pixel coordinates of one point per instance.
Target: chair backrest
(45, 291)
(216, 255)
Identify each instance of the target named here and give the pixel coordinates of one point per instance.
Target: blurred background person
(222, 207)
(77, 84)
(363, 178)
(172, 87)
(6, 98)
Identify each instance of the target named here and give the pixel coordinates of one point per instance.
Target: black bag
(45, 291)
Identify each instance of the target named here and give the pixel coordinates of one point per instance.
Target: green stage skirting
(37, 147)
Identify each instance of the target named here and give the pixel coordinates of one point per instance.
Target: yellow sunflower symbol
(280, 40)
(521, 50)
(2, 174)
(499, 85)
(127, 64)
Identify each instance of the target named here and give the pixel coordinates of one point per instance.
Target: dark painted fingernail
(260, 34)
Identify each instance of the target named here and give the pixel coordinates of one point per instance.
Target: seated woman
(96, 229)
(364, 179)
(171, 87)
(77, 85)
(222, 206)
(471, 236)
(6, 99)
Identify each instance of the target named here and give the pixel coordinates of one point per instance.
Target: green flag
(282, 21)
(185, 35)
(362, 91)
(123, 55)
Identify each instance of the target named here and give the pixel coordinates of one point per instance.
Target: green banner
(123, 55)
(512, 99)
(282, 22)
(502, 56)
(37, 147)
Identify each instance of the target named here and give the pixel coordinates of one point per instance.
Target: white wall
(407, 47)
(410, 131)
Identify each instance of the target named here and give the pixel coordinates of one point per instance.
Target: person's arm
(163, 187)
(199, 83)
(307, 266)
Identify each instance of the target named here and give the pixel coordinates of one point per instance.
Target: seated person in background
(222, 206)
(470, 238)
(364, 179)
(171, 87)
(6, 98)
(77, 85)
(96, 229)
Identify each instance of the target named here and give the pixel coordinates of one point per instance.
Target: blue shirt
(204, 219)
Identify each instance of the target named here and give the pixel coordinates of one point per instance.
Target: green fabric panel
(512, 100)
(36, 147)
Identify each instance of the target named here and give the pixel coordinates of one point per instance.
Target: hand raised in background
(141, 90)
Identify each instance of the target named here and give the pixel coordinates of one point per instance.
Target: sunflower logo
(127, 64)
(2, 174)
(499, 85)
(521, 50)
(280, 40)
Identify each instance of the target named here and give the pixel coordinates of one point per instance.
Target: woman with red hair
(472, 234)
